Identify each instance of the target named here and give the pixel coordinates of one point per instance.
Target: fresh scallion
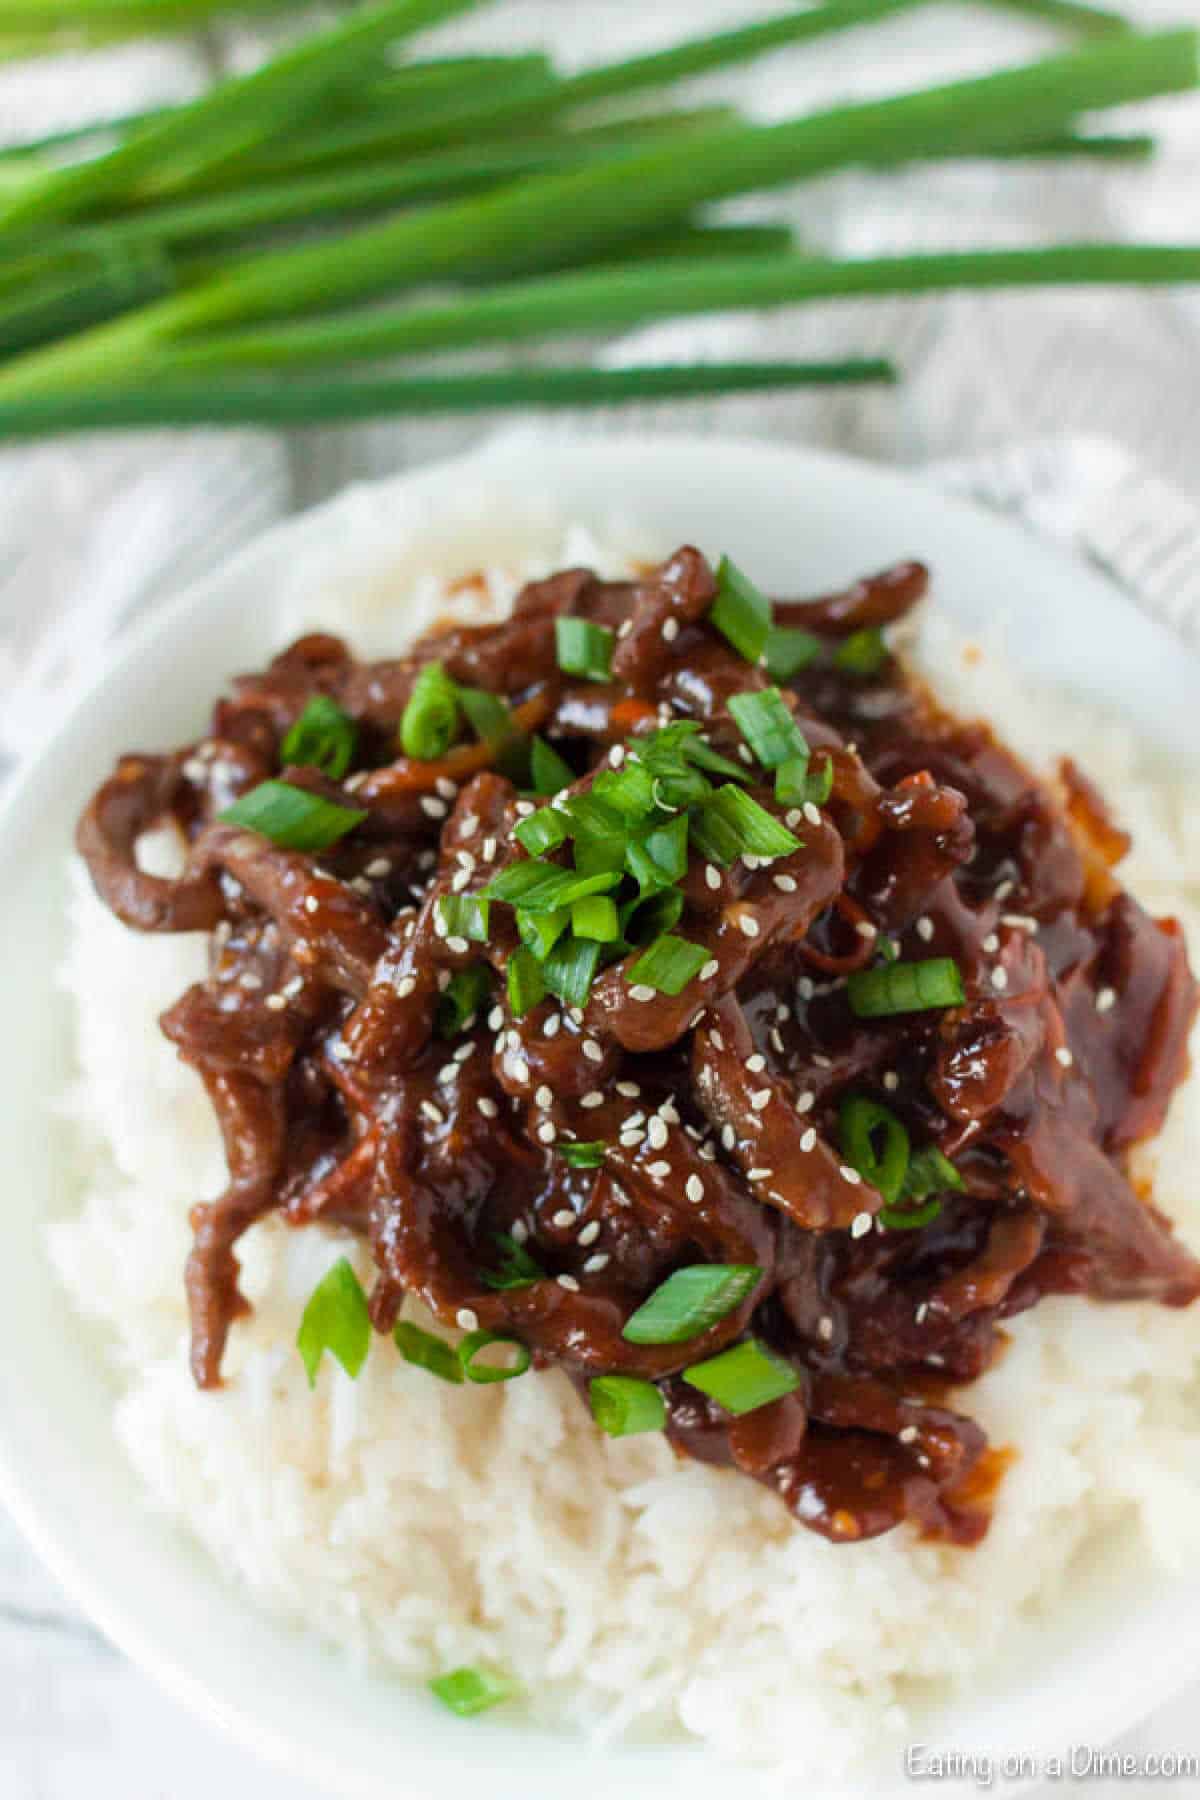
(584, 648)
(336, 1319)
(539, 932)
(464, 916)
(550, 772)
(562, 887)
(570, 969)
(595, 916)
(430, 722)
(580, 1153)
(461, 999)
(744, 1378)
(863, 653)
(323, 737)
(766, 723)
(291, 817)
(741, 612)
(526, 985)
(541, 831)
(731, 824)
(797, 782)
(470, 1691)
(904, 987)
(425, 1351)
(645, 919)
(517, 1268)
(689, 1302)
(875, 1143)
(471, 1352)
(789, 650)
(488, 716)
(624, 1406)
(929, 1175)
(668, 965)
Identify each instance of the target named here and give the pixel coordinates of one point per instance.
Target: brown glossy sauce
(314, 1033)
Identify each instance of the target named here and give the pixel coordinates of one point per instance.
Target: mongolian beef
(668, 989)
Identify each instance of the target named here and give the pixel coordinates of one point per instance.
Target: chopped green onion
(526, 986)
(593, 815)
(744, 1378)
(902, 1218)
(425, 1351)
(862, 653)
(903, 987)
(517, 1268)
(584, 648)
(430, 722)
(668, 965)
(520, 879)
(596, 917)
(470, 1691)
(562, 887)
(797, 782)
(929, 1172)
(766, 723)
(464, 994)
(741, 612)
(660, 859)
(730, 824)
(594, 855)
(629, 789)
(860, 1123)
(488, 716)
(291, 817)
(550, 773)
(579, 1153)
(465, 916)
(689, 1301)
(570, 969)
(323, 737)
(541, 831)
(643, 920)
(669, 749)
(789, 650)
(472, 1348)
(336, 1319)
(540, 932)
(623, 1406)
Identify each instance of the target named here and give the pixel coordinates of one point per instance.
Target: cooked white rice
(425, 1526)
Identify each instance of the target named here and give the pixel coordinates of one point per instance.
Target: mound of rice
(424, 1526)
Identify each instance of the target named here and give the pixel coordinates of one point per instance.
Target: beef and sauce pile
(665, 987)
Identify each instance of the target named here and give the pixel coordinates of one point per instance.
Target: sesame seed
(1063, 1057)
(634, 1119)
(759, 1174)
(464, 1052)
(1106, 999)
(657, 1133)
(553, 1025)
(891, 1081)
(999, 979)
(460, 880)
(908, 1435)
(624, 628)
(806, 987)
(379, 868)
(631, 1137)
(659, 1170)
(466, 1320)
(487, 1107)
(405, 986)
(432, 1113)
(756, 1064)
(577, 1014)
(991, 943)
(865, 929)
(445, 787)
(744, 752)
(707, 1152)
(628, 1090)
(569, 1282)
(785, 883)
(457, 946)
(694, 1189)
(712, 875)
(594, 1264)
(850, 1175)
(825, 1328)
(805, 1101)
(616, 755)
(711, 968)
(809, 1140)
(488, 850)
(250, 981)
(775, 1039)
(513, 1039)
(592, 1050)
(670, 630)
(595, 1098)
(275, 1003)
(448, 1072)
(717, 1040)
(524, 809)
(792, 819)
(860, 1224)
(469, 825)
(747, 924)
(311, 903)
(1005, 889)
(728, 1137)
(432, 808)
(543, 1097)
(639, 991)
(761, 1099)
(925, 928)
(520, 1070)
(1020, 921)
(811, 812)
(590, 1233)
(921, 1313)
(564, 1218)
(546, 1132)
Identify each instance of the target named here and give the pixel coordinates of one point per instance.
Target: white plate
(798, 520)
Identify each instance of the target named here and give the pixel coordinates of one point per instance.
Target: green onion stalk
(586, 211)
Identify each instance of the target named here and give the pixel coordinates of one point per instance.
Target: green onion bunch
(213, 261)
